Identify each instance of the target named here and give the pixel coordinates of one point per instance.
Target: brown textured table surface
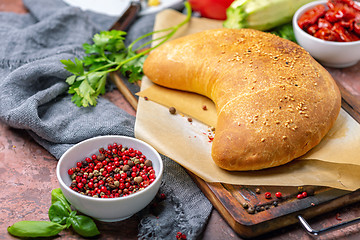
(27, 176)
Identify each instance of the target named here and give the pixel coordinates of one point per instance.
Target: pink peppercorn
(278, 195)
(267, 195)
(102, 175)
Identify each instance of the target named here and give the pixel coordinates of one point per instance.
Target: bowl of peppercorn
(110, 178)
(328, 30)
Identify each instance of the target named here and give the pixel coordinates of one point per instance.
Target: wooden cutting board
(271, 214)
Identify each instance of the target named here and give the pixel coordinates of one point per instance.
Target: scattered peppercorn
(180, 235)
(189, 119)
(278, 195)
(162, 196)
(257, 190)
(204, 107)
(304, 194)
(251, 210)
(146, 98)
(267, 195)
(245, 205)
(172, 110)
(275, 203)
(148, 163)
(116, 172)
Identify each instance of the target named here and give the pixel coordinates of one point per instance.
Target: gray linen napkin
(34, 97)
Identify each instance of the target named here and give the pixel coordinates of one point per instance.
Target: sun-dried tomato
(323, 23)
(345, 35)
(313, 29)
(327, 34)
(349, 25)
(357, 27)
(340, 12)
(340, 22)
(351, 3)
(330, 4)
(311, 16)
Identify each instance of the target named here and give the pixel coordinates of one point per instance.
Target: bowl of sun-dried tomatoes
(110, 178)
(330, 31)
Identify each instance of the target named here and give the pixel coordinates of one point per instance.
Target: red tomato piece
(343, 10)
(323, 23)
(357, 28)
(327, 34)
(215, 9)
(336, 14)
(348, 24)
(345, 35)
(330, 4)
(312, 29)
(311, 16)
(351, 4)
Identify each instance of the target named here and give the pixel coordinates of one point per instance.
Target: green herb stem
(172, 29)
(109, 54)
(166, 37)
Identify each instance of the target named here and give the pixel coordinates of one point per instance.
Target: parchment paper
(335, 162)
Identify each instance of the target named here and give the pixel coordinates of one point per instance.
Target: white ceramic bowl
(108, 209)
(328, 53)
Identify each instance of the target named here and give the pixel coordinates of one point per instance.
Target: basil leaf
(58, 213)
(35, 229)
(84, 226)
(57, 195)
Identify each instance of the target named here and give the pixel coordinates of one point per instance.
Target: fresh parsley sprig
(107, 54)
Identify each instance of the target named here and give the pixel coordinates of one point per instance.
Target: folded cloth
(34, 97)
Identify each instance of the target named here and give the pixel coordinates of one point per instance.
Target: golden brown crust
(274, 101)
